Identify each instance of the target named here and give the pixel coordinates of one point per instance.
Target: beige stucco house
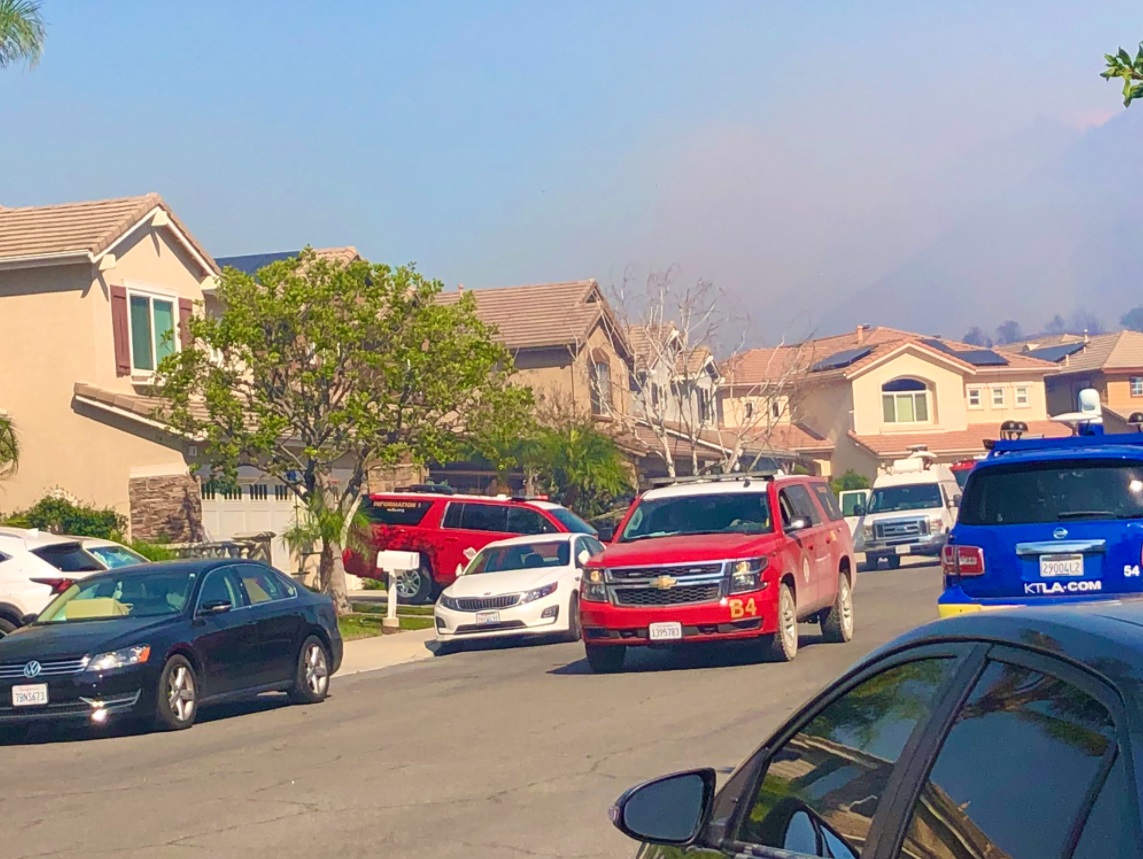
(876, 393)
(93, 295)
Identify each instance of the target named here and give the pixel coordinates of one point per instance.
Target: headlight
(747, 575)
(596, 577)
(868, 532)
(936, 525)
(120, 658)
(539, 593)
(448, 602)
(593, 589)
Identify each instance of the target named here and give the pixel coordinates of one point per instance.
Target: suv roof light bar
(1075, 442)
(746, 477)
(430, 488)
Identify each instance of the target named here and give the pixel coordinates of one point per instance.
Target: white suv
(34, 567)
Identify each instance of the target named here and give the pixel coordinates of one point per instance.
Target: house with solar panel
(877, 394)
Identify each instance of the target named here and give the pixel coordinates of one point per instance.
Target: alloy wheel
(409, 584)
(845, 603)
(181, 693)
(316, 670)
(789, 622)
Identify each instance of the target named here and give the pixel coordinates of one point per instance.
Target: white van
(853, 503)
(910, 511)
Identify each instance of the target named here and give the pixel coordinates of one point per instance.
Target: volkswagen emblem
(32, 670)
(1060, 533)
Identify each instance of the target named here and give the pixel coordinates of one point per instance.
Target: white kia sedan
(522, 586)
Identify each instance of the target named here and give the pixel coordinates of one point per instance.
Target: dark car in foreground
(1014, 734)
(158, 641)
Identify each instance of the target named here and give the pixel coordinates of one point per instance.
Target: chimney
(1086, 339)
(861, 329)
(460, 287)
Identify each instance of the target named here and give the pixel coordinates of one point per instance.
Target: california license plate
(483, 617)
(665, 632)
(902, 550)
(35, 695)
(1056, 566)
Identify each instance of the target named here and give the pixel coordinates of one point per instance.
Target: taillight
(962, 561)
(58, 586)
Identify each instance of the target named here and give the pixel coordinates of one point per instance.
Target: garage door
(250, 508)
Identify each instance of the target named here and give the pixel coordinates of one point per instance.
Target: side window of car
(804, 507)
(484, 517)
(452, 515)
(522, 520)
(261, 585)
(828, 502)
(823, 786)
(786, 506)
(221, 585)
(1109, 832)
(1020, 734)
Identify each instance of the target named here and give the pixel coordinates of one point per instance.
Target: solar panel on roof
(982, 358)
(841, 359)
(939, 345)
(1055, 354)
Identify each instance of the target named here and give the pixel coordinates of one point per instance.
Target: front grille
(627, 573)
(486, 603)
(678, 595)
(490, 627)
(54, 668)
(902, 530)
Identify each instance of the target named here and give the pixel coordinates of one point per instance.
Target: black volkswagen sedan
(1002, 735)
(159, 641)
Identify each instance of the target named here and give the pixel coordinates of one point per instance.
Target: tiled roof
(540, 315)
(692, 362)
(78, 228)
(1043, 342)
(146, 408)
(250, 263)
(1122, 350)
(968, 442)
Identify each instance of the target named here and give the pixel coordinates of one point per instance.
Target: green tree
(850, 480)
(1121, 65)
(578, 465)
(1133, 319)
(9, 447)
(21, 32)
(315, 371)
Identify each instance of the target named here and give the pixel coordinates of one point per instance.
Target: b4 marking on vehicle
(738, 609)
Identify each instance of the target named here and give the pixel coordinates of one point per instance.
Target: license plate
(483, 617)
(1055, 566)
(902, 550)
(665, 632)
(30, 696)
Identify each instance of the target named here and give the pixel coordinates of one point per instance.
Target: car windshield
(710, 513)
(570, 521)
(916, 496)
(116, 556)
(520, 556)
(111, 596)
(1024, 494)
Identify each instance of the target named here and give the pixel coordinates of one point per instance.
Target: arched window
(905, 401)
(600, 378)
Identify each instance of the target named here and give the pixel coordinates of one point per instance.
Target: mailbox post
(396, 564)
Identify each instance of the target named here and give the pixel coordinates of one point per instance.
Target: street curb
(385, 651)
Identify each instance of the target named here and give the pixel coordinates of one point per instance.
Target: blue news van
(1048, 521)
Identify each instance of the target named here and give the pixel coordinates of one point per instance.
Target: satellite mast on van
(1088, 420)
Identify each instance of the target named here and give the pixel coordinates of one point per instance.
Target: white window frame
(978, 392)
(896, 395)
(1026, 393)
(151, 295)
(1000, 402)
(1136, 391)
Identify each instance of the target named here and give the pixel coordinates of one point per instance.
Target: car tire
(837, 621)
(176, 704)
(574, 632)
(606, 659)
(311, 674)
(782, 646)
(894, 562)
(6, 626)
(416, 587)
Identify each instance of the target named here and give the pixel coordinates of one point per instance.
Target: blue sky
(499, 142)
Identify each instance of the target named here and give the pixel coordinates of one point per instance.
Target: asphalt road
(498, 753)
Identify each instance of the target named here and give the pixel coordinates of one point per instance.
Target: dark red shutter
(121, 329)
(186, 309)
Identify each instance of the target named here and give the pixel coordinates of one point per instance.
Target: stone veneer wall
(388, 478)
(166, 509)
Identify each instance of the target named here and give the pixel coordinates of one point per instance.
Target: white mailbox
(395, 564)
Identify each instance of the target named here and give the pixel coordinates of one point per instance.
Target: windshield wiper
(1086, 514)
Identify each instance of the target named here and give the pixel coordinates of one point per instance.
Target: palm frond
(21, 32)
(9, 448)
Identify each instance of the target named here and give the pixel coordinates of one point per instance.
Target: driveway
(495, 753)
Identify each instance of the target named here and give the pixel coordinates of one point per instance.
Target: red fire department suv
(743, 557)
(447, 530)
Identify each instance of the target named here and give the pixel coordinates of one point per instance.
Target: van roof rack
(998, 447)
(431, 488)
(745, 477)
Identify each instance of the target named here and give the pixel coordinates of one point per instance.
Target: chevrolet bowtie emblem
(664, 582)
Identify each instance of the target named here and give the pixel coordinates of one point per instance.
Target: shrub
(150, 551)
(850, 480)
(61, 516)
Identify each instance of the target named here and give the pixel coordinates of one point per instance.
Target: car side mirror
(798, 525)
(670, 810)
(859, 510)
(954, 502)
(215, 607)
(606, 533)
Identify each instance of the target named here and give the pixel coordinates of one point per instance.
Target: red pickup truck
(744, 557)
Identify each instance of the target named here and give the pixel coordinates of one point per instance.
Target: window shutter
(186, 309)
(121, 330)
